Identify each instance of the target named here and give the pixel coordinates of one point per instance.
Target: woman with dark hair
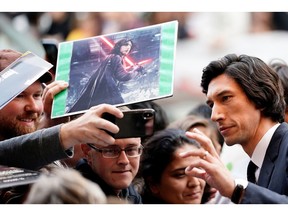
(103, 84)
(163, 170)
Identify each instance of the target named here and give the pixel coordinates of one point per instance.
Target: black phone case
(135, 123)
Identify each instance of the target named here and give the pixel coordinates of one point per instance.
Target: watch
(239, 190)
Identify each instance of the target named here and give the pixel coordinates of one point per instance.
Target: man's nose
(33, 105)
(216, 113)
(123, 158)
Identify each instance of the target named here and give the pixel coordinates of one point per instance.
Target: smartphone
(135, 123)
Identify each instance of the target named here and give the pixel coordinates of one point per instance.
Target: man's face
(237, 118)
(22, 114)
(116, 172)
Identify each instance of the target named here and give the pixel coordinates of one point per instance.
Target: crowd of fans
(181, 162)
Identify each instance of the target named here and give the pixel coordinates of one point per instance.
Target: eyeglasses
(115, 151)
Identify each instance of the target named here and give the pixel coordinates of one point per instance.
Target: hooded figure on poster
(103, 86)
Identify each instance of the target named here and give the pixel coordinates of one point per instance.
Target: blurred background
(202, 37)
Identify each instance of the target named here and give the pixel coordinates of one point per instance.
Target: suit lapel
(271, 155)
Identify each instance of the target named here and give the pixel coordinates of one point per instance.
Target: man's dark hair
(259, 82)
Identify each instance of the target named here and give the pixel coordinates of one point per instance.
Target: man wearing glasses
(114, 167)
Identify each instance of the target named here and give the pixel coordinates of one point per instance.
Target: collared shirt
(260, 150)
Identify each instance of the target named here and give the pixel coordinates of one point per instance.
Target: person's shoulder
(282, 128)
(133, 195)
(281, 136)
(82, 166)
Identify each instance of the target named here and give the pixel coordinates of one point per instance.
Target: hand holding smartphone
(135, 123)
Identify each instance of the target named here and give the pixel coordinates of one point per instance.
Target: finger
(102, 108)
(49, 92)
(204, 141)
(205, 155)
(196, 172)
(54, 88)
(194, 152)
(102, 138)
(94, 115)
(106, 125)
(201, 153)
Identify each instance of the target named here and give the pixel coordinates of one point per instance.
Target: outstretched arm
(44, 146)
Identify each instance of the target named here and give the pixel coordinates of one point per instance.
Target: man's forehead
(35, 87)
(126, 141)
(7, 56)
(220, 82)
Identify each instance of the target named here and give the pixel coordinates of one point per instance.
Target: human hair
(281, 69)
(259, 82)
(202, 109)
(158, 153)
(191, 121)
(65, 186)
(119, 44)
(205, 111)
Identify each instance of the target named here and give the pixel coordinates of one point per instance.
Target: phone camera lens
(147, 115)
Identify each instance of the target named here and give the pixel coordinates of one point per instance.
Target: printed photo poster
(119, 69)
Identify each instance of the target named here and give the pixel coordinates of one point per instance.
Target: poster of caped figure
(121, 68)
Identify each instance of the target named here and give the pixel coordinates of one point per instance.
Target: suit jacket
(272, 186)
(34, 150)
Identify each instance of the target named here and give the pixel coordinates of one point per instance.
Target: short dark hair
(259, 82)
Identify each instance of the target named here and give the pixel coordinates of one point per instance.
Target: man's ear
(85, 149)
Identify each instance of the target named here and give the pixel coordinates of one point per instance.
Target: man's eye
(19, 96)
(38, 96)
(111, 151)
(131, 150)
(225, 98)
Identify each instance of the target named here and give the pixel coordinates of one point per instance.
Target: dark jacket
(129, 194)
(272, 186)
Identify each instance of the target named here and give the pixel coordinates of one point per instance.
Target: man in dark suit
(247, 101)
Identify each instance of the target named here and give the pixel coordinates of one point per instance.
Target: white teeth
(27, 120)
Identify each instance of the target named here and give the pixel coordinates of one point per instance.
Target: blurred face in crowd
(208, 132)
(118, 172)
(22, 114)
(175, 186)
